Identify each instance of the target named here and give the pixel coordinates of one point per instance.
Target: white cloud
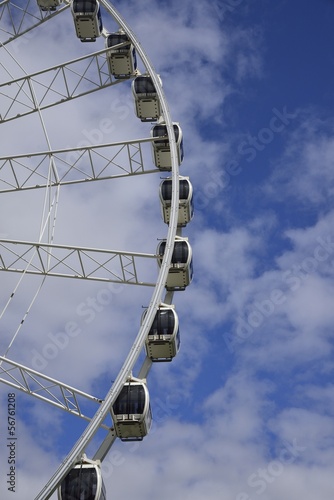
(305, 171)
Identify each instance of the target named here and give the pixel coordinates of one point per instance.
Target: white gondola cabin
(48, 4)
(87, 19)
(161, 147)
(163, 340)
(131, 411)
(186, 206)
(147, 103)
(83, 482)
(122, 60)
(181, 269)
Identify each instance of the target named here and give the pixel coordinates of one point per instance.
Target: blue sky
(245, 411)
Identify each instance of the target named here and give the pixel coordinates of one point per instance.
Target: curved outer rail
(138, 345)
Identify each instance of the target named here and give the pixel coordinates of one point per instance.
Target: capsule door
(147, 104)
(161, 147)
(46, 5)
(84, 481)
(122, 61)
(131, 412)
(186, 206)
(181, 270)
(87, 19)
(163, 340)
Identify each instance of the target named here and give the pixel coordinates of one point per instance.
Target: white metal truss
(74, 262)
(76, 165)
(47, 389)
(55, 85)
(17, 17)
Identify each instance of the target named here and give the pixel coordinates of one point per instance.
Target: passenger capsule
(87, 19)
(181, 269)
(83, 482)
(161, 147)
(131, 411)
(163, 340)
(48, 4)
(186, 206)
(147, 103)
(122, 61)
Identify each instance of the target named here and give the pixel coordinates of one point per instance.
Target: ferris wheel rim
(159, 289)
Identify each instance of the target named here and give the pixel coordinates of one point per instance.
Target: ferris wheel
(31, 99)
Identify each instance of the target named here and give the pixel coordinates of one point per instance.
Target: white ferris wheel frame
(68, 397)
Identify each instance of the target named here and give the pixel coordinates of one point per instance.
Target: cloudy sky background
(245, 411)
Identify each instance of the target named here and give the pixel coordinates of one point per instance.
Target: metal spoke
(55, 85)
(92, 163)
(75, 262)
(47, 389)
